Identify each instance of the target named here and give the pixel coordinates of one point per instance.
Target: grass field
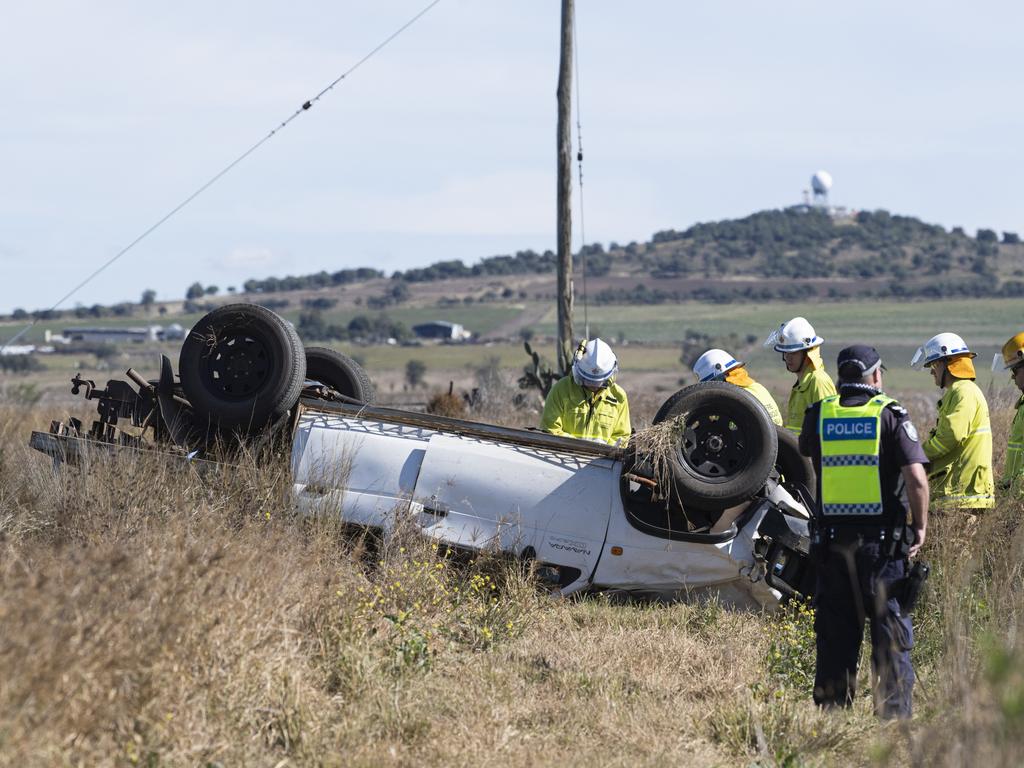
(887, 324)
(151, 616)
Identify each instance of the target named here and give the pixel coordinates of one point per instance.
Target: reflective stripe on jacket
(959, 448)
(572, 411)
(1013, 469)
(765, 398)
(813, 385)
(851, 436)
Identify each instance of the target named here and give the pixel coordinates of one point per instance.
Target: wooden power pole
(565, 338)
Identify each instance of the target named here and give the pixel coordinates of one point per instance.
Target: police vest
(851, 486)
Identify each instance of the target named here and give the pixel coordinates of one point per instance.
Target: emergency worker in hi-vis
(719, 365)
(1012, 360)
(870, 468)
(801, 352)
(959, 446)
(588, 404)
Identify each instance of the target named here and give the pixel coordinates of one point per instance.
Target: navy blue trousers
(854, 585)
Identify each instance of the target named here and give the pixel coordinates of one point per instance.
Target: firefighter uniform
(719, 365)
(859, 441)
(574, 411)
(813, 385)
(1013, 469)
(764, 397)
(959, 448)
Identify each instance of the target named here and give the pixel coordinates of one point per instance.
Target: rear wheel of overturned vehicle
(339, 372)
(723, 447)
(795, 468)
(242, 368)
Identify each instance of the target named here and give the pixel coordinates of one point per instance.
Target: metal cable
(306, 105)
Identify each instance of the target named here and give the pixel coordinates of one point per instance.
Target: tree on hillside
(311, 326)
(320, 303)
(414, 373)
(1011, 238)
(148, 297)
(399, 292)
(987, 236)
(195, 291)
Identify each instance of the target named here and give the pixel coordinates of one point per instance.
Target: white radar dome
(821, 182)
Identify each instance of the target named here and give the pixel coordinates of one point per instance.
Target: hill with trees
(790, 254)
(771, 254)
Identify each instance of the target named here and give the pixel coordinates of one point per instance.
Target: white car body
(523, 493)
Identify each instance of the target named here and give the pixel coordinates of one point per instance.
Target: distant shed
(440, 329)
(114, 335)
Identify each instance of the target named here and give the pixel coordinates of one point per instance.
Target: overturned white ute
(714, 499)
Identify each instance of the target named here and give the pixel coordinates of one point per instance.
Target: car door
(517, 499)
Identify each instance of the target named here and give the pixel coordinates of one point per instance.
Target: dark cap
(856, 361)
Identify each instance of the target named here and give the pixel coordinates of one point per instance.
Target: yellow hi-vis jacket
(1013, 469)
(813, 385)
(959, 449)
(765, 398)
(572, 411)
(741, 378)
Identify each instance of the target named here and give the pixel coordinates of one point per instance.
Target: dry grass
(153, 616)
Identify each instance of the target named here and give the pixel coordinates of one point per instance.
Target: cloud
(247, 258)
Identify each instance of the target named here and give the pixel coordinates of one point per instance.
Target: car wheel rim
(713, 444)
(238, 366)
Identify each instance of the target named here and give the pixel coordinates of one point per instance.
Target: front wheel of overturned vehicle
(723, 445)
(339, 372)
(242, 368)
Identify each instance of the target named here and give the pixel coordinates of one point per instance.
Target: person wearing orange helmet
(1013, 469)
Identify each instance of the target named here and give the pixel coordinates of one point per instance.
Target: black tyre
(725, 445)
(339, 372)
(794, 467)
(242, 368)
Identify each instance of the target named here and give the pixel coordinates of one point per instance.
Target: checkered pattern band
(849, 460)
(851, 509)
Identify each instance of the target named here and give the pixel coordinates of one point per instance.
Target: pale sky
(443, 145)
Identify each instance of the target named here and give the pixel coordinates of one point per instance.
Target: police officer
(719, 365)
(959, 446)
(588, 404)
(867, 454)
(801, 352)
(1013, 470)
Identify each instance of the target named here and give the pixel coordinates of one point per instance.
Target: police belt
(895, 540)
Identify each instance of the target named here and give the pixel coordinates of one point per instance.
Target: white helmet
(714, 364)
(594, 364)
(938, 347)
(794, 336)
